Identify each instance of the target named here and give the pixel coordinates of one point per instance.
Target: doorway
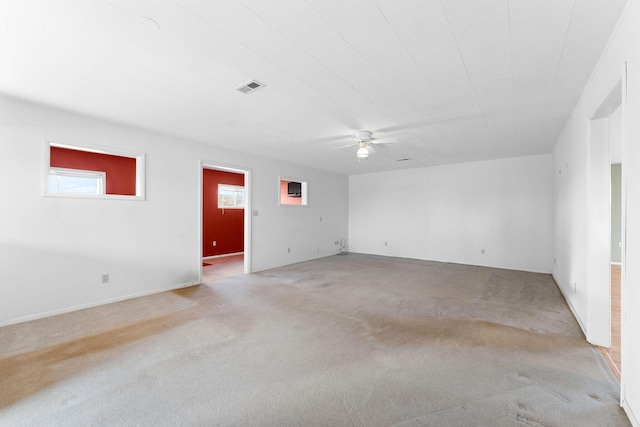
(607, 229)
(615, 350)
(224, 222)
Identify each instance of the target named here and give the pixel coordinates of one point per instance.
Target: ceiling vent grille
(247, 88)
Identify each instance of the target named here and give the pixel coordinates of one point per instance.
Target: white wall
(576, 212)
(54, 250)
(450, 213)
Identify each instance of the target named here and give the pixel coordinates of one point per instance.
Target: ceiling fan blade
(370, 149)
(384, 141)
(344, 146)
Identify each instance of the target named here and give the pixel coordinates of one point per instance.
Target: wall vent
(403, 160)
(249, 87)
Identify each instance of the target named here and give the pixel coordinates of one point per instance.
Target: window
(230, 196)
(73, 181)
(92, 172)
(292, 192)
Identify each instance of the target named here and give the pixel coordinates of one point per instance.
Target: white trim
(632, 417)
(94, 304)
(93, 196)
(79, 173)
(573, 311)
(624, 335)
(93, 148)
(222, 256)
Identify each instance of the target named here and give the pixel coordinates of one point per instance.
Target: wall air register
(247, 88)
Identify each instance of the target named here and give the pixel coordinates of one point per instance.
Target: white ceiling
(453, 80)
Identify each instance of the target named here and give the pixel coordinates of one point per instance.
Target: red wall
(120, 171)
(225, 226)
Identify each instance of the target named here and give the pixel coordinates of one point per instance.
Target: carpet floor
(341, 341)
(219, 268)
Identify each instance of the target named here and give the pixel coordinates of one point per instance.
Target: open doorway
(607, 229)
(615, 350)
(224, 225)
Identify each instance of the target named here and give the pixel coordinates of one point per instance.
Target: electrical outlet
(288, 250)
(320, 219)
(575, 287)
(554, 261)
(482, 251)
(317, 250)
(215, 243)
(337, 243)
(105, 278)
(386, 243)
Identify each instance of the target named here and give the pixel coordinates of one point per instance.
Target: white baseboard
(573, 310)
(630, 414)
(222, 256)
(93, 304)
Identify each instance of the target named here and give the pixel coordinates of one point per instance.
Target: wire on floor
(344, 249)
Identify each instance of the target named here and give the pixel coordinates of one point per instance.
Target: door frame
(214, 165)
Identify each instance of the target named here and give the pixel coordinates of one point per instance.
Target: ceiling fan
(364, 142)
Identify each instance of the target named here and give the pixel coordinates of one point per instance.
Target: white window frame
(80, 173)
(140, 170)
(304, 189)
(236, 189)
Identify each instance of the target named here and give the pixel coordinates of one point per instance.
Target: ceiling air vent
(249, 87)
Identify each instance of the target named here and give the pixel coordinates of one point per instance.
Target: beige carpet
(342, 341)
(220, 268)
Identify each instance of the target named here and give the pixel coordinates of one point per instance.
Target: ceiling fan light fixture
(362, 135)
(362, 153)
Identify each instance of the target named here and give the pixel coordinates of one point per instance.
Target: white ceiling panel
(406, 15)
(30, 11)
(287, 56)
(446, 58)
(519, 9)
(305, 27)
(427, 39)
(491, 71)
(377, 45)
(331, 50)
(452, 80)
(480, 55)
(273, 13)
(225, 15)
(399, 62)
(488, 27)
(357, 19)
(495, 92)
(550, 21)
(545, 66)
(464, 12)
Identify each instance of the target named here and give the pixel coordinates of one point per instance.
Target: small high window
(230, 196)
(74, 181)
(292, 192)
